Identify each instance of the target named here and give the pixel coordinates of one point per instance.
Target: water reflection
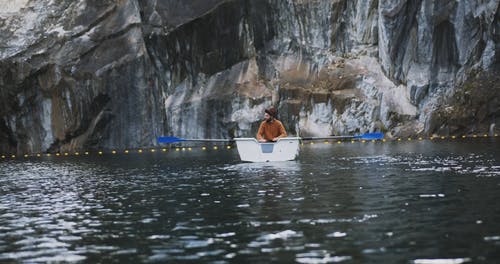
(279, 167)
(382, 203)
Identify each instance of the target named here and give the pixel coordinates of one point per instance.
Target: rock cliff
(103, 74)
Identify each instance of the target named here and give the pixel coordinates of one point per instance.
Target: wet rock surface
(117, 74)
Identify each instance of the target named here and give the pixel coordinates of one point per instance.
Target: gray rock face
(118, 73)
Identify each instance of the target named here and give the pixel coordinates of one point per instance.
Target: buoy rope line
(180, 148)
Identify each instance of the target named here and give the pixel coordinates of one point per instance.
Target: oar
(366, 136)
(169, 140)
(371, 136)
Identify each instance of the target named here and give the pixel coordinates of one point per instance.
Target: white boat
(282, 150)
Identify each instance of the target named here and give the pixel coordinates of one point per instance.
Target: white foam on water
(154, 237)
(479, 169)
(438, 169)
(337, 234)
(476, 165)
(376, 159)
(320, 221)
(325, 259)
(439, 195)
(230, 234)
(282, 222)
(158, 257)
(312, 245)
(282, 235)
(199, 243)
(124, 252)
(491, 238)
(54, 244)
(442, 261)
(270, 250)
(147, 220)
(326, 221)
(60, 258)
(210, 253)
(69, 238)
(266, 239)
(374, 250)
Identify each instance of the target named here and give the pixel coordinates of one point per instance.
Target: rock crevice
(116, 74)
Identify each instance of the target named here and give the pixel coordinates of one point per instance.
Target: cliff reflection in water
(415, 202)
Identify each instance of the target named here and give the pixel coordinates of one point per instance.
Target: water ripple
(373, 203)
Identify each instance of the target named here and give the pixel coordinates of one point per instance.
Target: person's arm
(282, 132)
(260, 132)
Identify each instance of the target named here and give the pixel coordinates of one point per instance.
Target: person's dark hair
(272, 112)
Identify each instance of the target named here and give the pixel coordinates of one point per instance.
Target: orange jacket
(271, 130)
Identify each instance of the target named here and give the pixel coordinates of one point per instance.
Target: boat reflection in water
(282, 150)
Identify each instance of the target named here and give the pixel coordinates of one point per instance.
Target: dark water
(411, 202)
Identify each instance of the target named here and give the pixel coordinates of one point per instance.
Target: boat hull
(282, 150)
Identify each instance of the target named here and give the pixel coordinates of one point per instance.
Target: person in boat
(271, 129)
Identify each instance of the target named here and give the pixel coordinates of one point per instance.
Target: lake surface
(406, 202)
